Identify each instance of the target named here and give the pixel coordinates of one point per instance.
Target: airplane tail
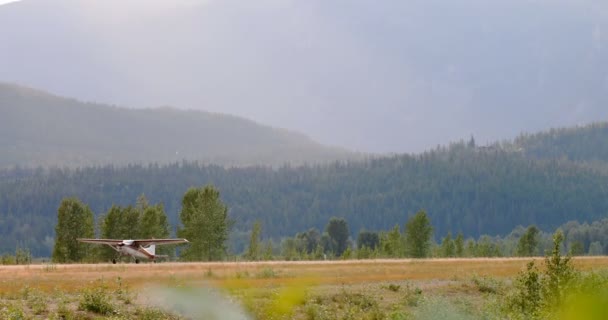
(151, 249)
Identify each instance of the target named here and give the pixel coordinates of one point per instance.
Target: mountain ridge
(38, 128)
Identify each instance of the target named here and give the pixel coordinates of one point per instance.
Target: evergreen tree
(74, 220)
(205, 224)
(418, 232)
(142, 203)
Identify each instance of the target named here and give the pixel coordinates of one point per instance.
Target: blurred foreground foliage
(559, 291)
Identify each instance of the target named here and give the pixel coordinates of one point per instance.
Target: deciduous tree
(368, 239)
(448, 249)
(205, 224)
(459, 245)
(253, 252)
(418, 231)
(337, 229)
(528, 242)
(392, 243)
(74, 220)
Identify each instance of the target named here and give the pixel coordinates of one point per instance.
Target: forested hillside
(463, 188)
(37, 128)
(581, 144)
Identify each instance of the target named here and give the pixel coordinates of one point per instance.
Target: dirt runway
(73, 276)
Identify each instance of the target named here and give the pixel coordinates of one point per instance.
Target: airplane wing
(147, 242)
(101, 241)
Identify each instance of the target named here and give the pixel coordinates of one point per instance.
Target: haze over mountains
(392, 76)
(40, 129)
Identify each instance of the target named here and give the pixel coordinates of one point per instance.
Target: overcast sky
(6, 1)
(394, 76)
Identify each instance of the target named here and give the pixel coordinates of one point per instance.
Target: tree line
(463, 188)
(416, 240)
(587, 144)
(203, 221)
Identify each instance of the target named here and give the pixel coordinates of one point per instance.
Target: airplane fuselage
(135, 251)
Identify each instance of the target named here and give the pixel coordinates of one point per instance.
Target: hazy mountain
(38, 128)
(376, 76)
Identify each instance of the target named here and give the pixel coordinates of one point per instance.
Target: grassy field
(363, 289)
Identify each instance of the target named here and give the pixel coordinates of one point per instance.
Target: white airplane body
(138, 249)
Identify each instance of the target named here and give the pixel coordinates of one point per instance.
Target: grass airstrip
(352, 289)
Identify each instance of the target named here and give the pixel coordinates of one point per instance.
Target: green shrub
(525, 301)
(487, 284)
(315, 311)
(558, 276)
(37, 303)
(122, 292)
(12, 312)
(393, 287)
(540, 295)
(151, 314)
(7, 259)
(343, 305)
(398, 315)
(411, 295)
(63, 312)
(439, 308)
(96, 300)
(266, 273)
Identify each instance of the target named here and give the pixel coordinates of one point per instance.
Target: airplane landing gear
(136, 261)
(113, 261)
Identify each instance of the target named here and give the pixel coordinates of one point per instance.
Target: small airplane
(135, 248)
